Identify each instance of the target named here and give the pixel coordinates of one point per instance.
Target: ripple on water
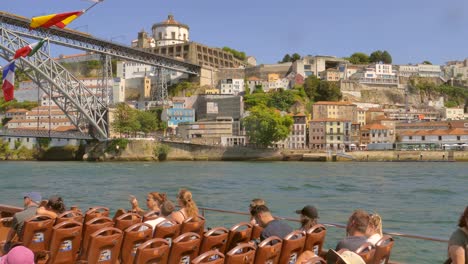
(435, 191)
(288, 188)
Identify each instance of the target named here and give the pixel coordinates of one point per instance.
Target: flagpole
(86, 10)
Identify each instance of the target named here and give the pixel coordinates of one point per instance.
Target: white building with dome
(170, 32)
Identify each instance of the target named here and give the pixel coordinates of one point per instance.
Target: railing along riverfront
(13, 209)
(387, 232)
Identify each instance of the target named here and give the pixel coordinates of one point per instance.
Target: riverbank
(150, 150)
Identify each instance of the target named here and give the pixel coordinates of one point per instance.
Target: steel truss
(84, 41)
(85, 110)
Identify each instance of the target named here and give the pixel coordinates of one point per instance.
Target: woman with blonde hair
(374, 229)
(154, 200)
(254, 203)
(188, 207)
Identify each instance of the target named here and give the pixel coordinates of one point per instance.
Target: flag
(58, 20)
(29, 50)
(8, 86)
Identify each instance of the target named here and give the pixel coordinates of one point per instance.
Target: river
(419, 198)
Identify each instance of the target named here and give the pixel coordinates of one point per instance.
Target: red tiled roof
(333, 103)
(426, 124)
(17, 110)
(435, 132)
(374, 126)
(329, 120)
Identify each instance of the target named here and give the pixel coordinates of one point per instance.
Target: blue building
(178, 114)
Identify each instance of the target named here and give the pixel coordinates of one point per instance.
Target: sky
(412, 31)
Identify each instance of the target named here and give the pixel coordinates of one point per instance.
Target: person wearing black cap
(309, 216)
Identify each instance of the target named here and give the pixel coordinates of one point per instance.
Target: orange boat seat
(37, 232)
(383, 249)
(209, 257)
(293, 243)
(126, 220)
(5, 226)
(195, 225)
(104, 246)
(241, 254)
(94, 212)
(90, 227)
(155, 250)
(151, 215)
(269, 251)
(134, 236)
(256, 232)
(65, 242)
(315, 237)
(215, 239)
(167, 230)
(185, 248)
(239, 233)
(76, 216)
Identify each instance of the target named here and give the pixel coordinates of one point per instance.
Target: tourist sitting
(356, 231)
(343, 256)
(255, 202)
(166, 210)
(308, 217)
(271, 226)
(53, 208)
(188, 207)
(31, 202)
(153, 202)
(374, 230)
(458, 242)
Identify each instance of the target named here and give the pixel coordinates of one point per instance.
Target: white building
(454, 113)
(408, 70)
(380, 74)
(442, 138)
(232, 86)
(170, 32)
(298, 136)
(428, 70)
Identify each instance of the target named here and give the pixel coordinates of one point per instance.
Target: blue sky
(411, 30)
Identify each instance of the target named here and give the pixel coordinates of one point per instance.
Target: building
(454, 113)
(233, 141)
(335, 110)
(331, 75)
(297, 138)
(420, 70)
(206, 132)
(16, 113)
(212, 91)
(170, 32)
(422, 126)
(177, 114)
(41, 118)
(330, 133)
(379, 74)
(313, 65)
(408, 70)
(232, 86)
(454, 138)
(376, 137)
(361, 116)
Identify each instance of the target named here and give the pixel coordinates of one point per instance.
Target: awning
(353, 145)
(363, 145)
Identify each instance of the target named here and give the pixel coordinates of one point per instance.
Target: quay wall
(406, 156)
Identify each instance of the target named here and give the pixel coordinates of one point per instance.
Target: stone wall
(407, 156)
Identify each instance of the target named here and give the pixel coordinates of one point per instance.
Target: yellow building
(273, 77)
(212, 91)
(335, 110)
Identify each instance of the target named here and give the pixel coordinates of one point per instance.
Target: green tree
(328, 91)
(295, 57)
(148, 121)
(286, 58)
(427, 62)
(359, 58)
(237, 54)
(246, 86)
(256, 99)
(386, 57)
(126, 119)
(265, 126)
(282, 100)
(311, 84)
(376, 56)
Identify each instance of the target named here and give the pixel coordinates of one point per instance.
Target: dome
(170, 21)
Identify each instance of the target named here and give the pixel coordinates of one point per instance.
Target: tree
(286, 58)
(376, 56)
(237, 54)
(148, 121)
(295, 57)
(328, 91)
(125, 119)
(386, 57)
(359, 58)
(427, 62)
(282, 100)
(311, 84)
(264, 126)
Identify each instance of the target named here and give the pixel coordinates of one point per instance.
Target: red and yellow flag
(58, 20)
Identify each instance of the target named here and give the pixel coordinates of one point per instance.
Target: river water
(418, 198)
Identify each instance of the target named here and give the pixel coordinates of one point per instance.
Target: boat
(92, 237)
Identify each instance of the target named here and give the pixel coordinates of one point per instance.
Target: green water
(417, 198)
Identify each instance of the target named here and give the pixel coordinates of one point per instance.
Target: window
(410, 137)
(440, 138)
(173, 35)
(338, 138)
(423, 138)
(458, 138)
